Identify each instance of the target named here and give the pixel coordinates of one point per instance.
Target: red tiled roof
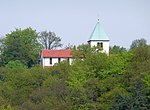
(57, 53)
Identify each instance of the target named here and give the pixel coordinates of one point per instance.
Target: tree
(49, 40)
(0, 46)
(136, 101)
(1, 51)
(138, 43)
(117, 49)
(69, 46)
(52, 96)
(21, 45)
(15, 64)
(82, 50)
(136, 82)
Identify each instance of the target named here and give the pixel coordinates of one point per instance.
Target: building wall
(46, 61)
(105, 45)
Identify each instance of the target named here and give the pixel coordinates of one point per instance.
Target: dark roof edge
(98, 40)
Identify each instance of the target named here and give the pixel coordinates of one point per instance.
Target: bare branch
(49, 40)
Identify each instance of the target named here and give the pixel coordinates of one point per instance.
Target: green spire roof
(98, 33)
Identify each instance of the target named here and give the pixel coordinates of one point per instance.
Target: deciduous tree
(21, 45)
(117, 49)
(49, 40)
(138, 43)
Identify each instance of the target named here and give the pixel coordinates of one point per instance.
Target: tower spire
(98, 33)
(99, 38)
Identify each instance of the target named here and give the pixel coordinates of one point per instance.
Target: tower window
(100, 45)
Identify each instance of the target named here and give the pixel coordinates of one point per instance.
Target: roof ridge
(98, 33)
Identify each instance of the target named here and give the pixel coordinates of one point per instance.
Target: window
(68, 60)
(58, 60)
(100, 45)
(50, 60)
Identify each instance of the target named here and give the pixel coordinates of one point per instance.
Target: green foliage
(81, 51)
(21, 45)
(7, 108)
(78, 75)
(15, 64)
(136, 101)
(141, 54)
(117, 50)
(18, 83)
(146, 80)
(94, 81)
(138, 43)
(117, 64)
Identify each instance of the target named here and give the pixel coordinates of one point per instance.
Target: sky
(74, 20)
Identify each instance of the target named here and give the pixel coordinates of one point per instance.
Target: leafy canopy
(21, 45)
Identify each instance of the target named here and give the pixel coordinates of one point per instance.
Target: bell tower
(99, 38)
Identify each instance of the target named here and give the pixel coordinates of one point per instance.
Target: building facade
(50, 57)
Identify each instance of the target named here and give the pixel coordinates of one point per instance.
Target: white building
(51, 57)
(99, 38)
